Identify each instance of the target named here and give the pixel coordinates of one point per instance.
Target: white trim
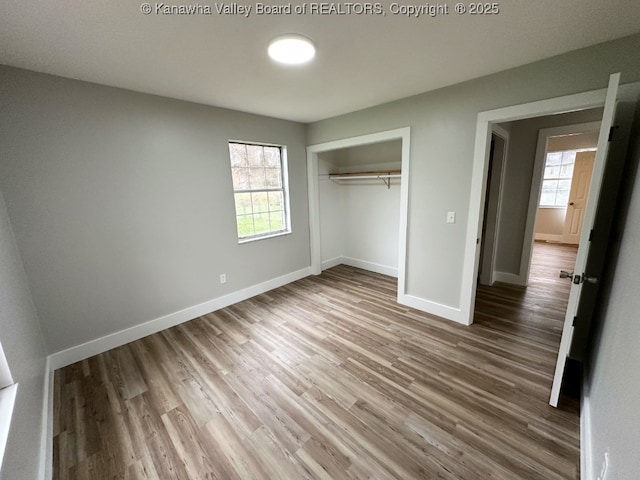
(404, 214)
(365, 265)
(8, 391)
(586, 452)
(266, 236)
(113, 340)
(567, 103)
(315, 242)
(510, 278)
(7, 402)
(403, 134)
(536, 187)
(500, 131)
(548, 237)
(5, 373)
(46, 442)
(284, 170)
(334, 262)
(372, 267)
(504, 134)
(368, 139)
(434, 308)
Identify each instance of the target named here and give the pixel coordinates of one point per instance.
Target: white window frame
(5, 374)
(284, 169)
(546, 155)
(8, 391)
(544, 178)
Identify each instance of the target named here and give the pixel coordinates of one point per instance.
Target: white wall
(24, 348)
(443, 126)
(122, 203)
(372, 219)
(550, 223)
(613, 385)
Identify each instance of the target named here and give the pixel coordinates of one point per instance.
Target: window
(7, 401)
(556, 184)
(5, 374)
(259, 175)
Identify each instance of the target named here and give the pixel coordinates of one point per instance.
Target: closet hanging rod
(363, 177)
(367, 173)
(385, 177)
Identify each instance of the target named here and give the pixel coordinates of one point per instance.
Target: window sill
(263, 237)
(7, 401)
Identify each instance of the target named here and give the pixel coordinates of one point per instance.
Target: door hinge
(591, 235)
(611, 130)
(575, 319)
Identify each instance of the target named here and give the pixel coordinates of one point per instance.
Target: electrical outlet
(223, 278)
(451, 217)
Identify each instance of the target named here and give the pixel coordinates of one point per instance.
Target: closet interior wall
(360, 218)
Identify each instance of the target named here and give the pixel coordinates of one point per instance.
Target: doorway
(401, 135)
(548, 208)
(619, 104)
(581, 101)
(491, 216)
(558, 145)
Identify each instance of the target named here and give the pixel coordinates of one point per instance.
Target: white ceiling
(361, 60)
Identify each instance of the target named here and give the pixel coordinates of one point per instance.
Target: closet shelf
(384, 175)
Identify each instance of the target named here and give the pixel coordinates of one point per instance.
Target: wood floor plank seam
(330, 378)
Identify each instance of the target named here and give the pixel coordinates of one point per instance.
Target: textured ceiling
(362, 60)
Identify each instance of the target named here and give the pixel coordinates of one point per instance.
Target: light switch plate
(451, 217)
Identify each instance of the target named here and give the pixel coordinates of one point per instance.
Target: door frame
(568, 103)
(536, 189)
(403, 134)
(488, 278)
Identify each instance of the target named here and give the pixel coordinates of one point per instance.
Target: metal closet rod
(385, 176)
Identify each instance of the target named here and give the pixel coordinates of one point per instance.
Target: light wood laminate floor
(328, 378)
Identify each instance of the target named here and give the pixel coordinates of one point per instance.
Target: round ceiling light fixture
(291, 49)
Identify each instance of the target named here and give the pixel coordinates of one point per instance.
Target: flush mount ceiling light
(291, 49)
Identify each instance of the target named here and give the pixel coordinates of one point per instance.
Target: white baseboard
(46, 442)
(511, 278)
(433, 308)
(363, 264)
(548, 237)
(372, 267)
(334, 262)
(100, 345)
(586, 455)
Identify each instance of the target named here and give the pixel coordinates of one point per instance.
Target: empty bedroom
(316, 240)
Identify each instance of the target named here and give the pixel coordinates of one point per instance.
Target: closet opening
(358, 191)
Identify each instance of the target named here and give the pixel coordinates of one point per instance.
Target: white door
(578, 195)
(614, 96)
